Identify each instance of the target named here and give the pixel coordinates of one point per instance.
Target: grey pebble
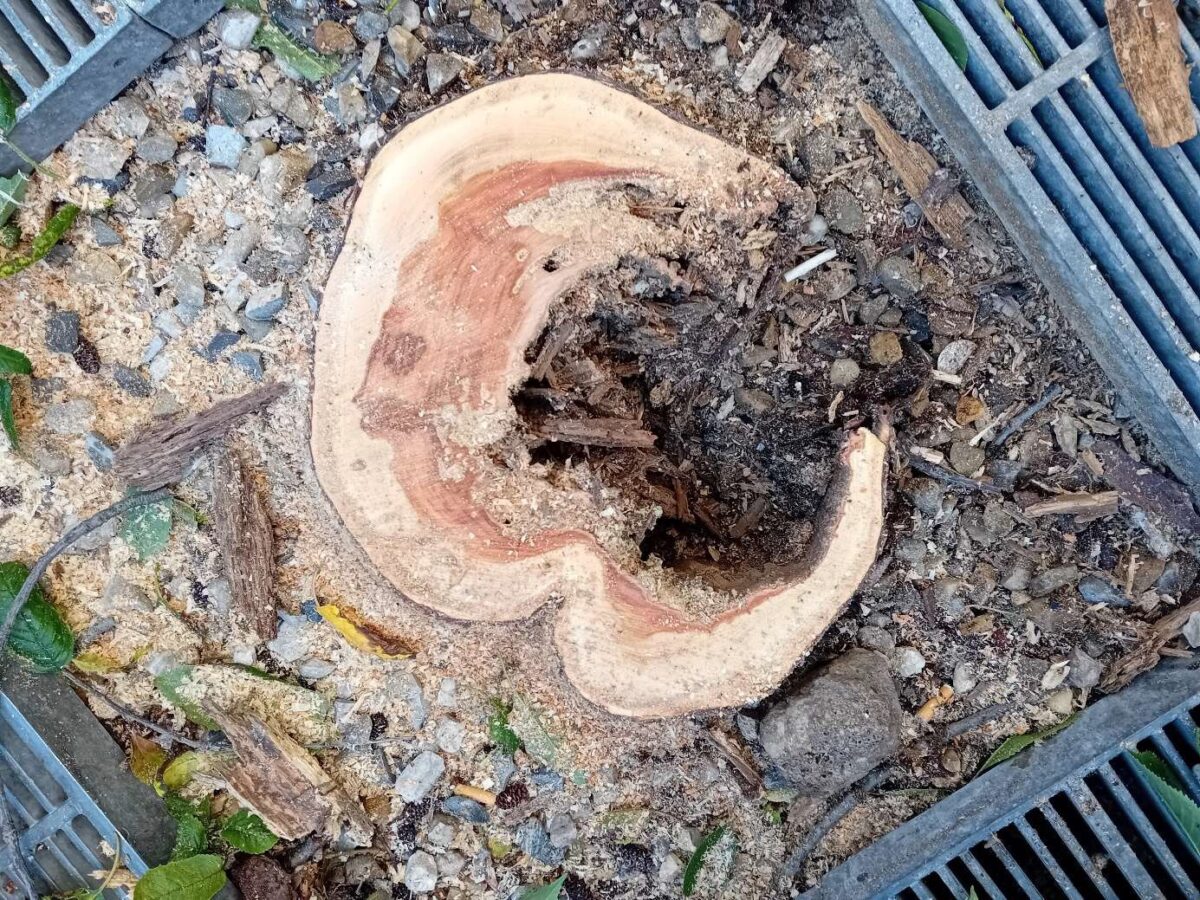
(466, 809)
(234, 104)
(131, 381)
(70, 416)
(249, 361)
(419, 776)
(1094, 589)
(104, 234)
(1052, 579)
(157, 147)
(898, 276)
(223, 146)
(266, 303)
(871, 637)
(592, 43)
(99, 451)
(533, 838)
(220, 342)
(370, 25)
(315, 669)
(440, 70)
(561, 830)
(62, 331)
(237, 28)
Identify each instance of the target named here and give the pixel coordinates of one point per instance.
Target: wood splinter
(451, 265)
(247, 543)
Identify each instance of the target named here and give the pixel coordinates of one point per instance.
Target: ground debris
(247, 543)
(1145, 37)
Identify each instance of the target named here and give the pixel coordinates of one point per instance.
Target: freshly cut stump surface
(473, 224)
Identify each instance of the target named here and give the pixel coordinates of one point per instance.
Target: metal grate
(59, 769)
(1110, 224)
(67, 58)
(1071, 819)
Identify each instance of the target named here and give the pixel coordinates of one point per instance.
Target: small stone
(62, 331)
(441, 832)
(885, 348)
(440, 70)
(332, 37)
(104, 234)
(592, 43)
(450, 735)
(250, 362)
(688, 34)
(52, 463)
(167, 321)
(562, 831)
(220, 342)
(223, 146)
(159, 369)
(1061, 702)
(926, 495)
(963, 680)
(843, 373)
(129, 117)
(447, 694)
(219, 593)
(911, 550)
(419, 776)
(1191, 630)
(100, 158)
(712, 23)
(346, 105)
(872, 637)
(287, 100)
(315, 669)
(99, 451)
(237, 28)
(485, 23)
(407, 50)
(266, 303)
(131, 381)
(839, 723)
(421, 873)
(1094, 589)
(1084, 671)
(327, 181)
(256, 331)
(451, 863)
(670, 869)
(406, 14)
(370, 25)
(1052, 579)
(234, 104)
(966, 459)
(535, 841)
(70, 416)
(899, 277)
(290, 643)
(908, 662)
(843, 211)
(157, 147)
(955, 355)
(466, 809)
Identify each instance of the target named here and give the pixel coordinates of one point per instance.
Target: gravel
(466, 809)
(224, 146)
(62, 331)
(419, 776)
(70, 416)
(440, 70)
(420, 873)
(131, 381)
(237, 27)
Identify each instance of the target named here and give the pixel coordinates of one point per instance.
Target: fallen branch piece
(161, 454)
(444, 281)
(1086, 506)
(1145, 36)
(247, 543)
(946, 211)
(1152, 647)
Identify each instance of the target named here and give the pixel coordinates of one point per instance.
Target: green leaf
(1018, 742)
(1153, 762)
(191, 825)
(58, 225)
(182, 769)
(307, 63)
(692, 871)
(40, 634)
(14, 362)
(947, 33)
(145, 760)
(147, 529)
(197, 878)
(12, 192)
(170, 683)
(1182, 808)
(247, 832)
(498, 729)
(546, 891)
(8, 107)
(7, 420)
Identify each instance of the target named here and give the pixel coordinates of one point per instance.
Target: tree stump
(470, 224)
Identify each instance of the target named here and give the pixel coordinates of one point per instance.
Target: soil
(957, 581)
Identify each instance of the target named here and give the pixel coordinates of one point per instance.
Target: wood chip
(762, 63)
(162, 454)
(1086, 506)
(750, 518)
(1146, 655)
(1145, 36)
(598, 432)
(247, 543)
(478, 794)
(282, 783)
(736, 757)
(915, 166)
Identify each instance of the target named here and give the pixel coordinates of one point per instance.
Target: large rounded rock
(836, 726)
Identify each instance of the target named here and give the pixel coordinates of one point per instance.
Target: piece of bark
(1086, 506)
(417, 360)
(597, 432)
(161, 454)
(764, 60)
(950, 214)
(1144, 487)
(1146, 655)
(284, 785)
(1145, 37)
(247, 543)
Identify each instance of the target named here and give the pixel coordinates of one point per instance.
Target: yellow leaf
(95, 663)
(145, 759)
(363, 636)
(180, 771)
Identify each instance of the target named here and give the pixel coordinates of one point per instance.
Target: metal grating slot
(66, 62)
(1042, 122)
(1072, 819)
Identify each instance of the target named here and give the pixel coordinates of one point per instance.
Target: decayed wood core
(472, 225)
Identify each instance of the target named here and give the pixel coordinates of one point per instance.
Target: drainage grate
(67, 58)
(54, 759)
(1110, 224)
(1071, 819)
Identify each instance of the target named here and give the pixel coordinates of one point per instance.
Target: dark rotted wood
(161, 454)
(247, 543)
